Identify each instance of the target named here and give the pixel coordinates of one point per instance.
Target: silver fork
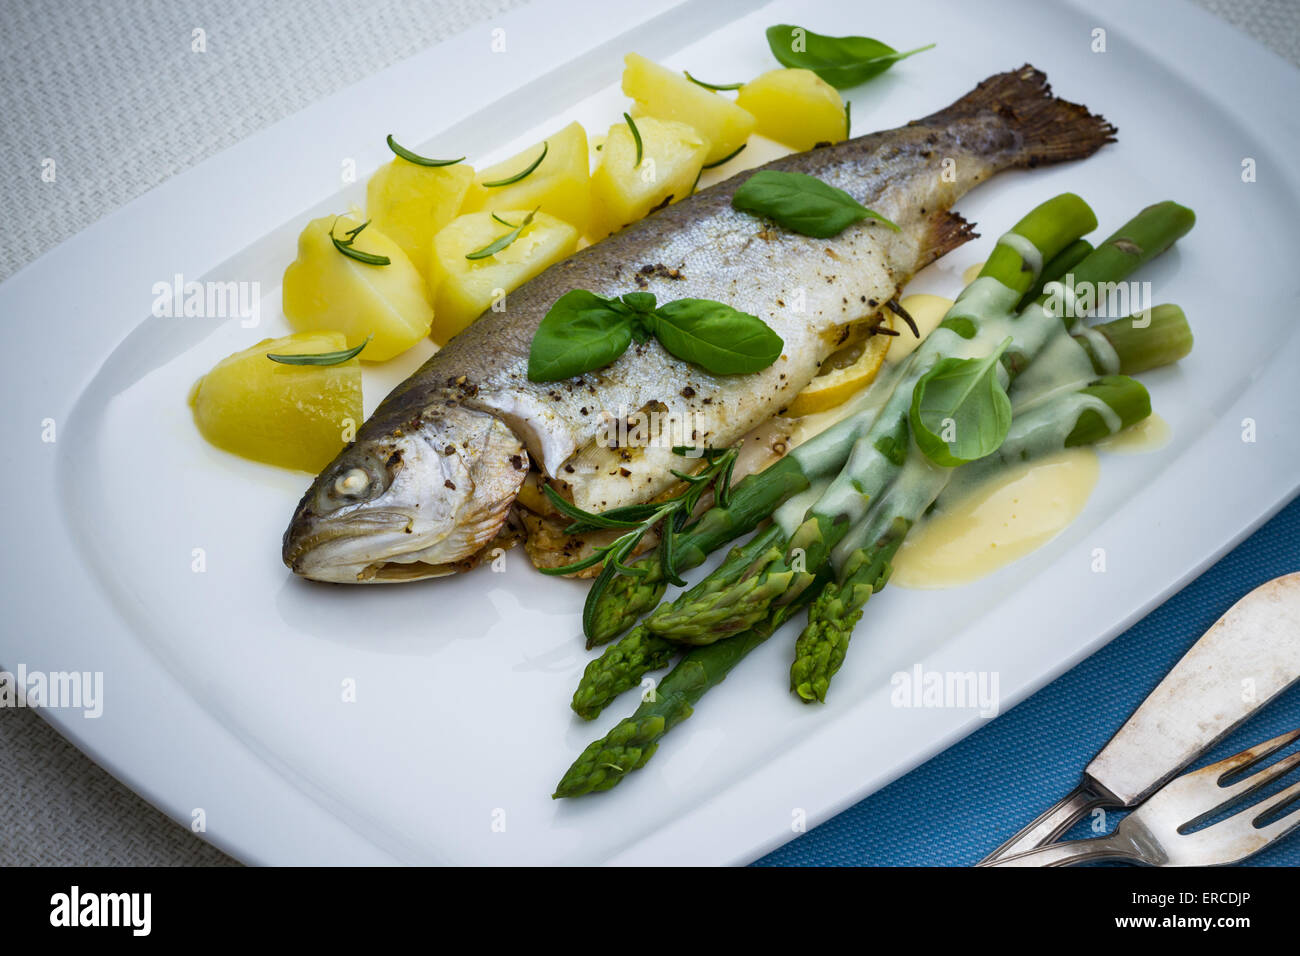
(1154, 833)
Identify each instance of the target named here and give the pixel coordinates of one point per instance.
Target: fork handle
(1109, 847)
(1051, 824)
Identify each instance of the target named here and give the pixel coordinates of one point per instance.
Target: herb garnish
(802, 203)
(726, 159)
(960, 410)
(320, 358)
(584, 331)
(673, 513)
(416, 158)
(712, 86)
(345, 246)
(848, 119)
(840, 61)
(518, 176)
(492, 248)
(636, 135)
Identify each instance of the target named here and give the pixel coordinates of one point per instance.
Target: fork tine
(1248, 757)
(1284, 823)
(1253, 781)
(1241, 825)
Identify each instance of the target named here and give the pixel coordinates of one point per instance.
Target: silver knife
(1247, 658)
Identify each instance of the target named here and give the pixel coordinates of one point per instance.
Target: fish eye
(351, 483)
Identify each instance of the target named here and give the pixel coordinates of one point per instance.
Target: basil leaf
(840, 61)
(581, 332)
(716, 337)
(639, 301)
(801, 203)
(960, 410)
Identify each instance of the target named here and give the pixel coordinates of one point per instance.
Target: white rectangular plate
(224, 689)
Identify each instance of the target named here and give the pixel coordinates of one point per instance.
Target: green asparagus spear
(1057, 269)
(1084, 417)
(1142, 341)
(621, 667)
(624, 664)
(634, 740)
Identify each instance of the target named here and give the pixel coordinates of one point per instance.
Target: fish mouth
(312, 553)
(368, 550)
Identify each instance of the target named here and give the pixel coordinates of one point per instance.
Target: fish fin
(947, 231)
(1051, 130)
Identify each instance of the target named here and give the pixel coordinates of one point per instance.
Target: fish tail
(946, 232)
(1048, 128)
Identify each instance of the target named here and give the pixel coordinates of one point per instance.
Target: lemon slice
(843, 375)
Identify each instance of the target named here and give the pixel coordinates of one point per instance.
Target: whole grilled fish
(431, 477)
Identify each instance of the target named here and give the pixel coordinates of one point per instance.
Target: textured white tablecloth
(112, 92)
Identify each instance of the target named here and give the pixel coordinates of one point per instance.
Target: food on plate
(467, 287)
(645, 165)
(668, 95)
(553, 176)
(840, 61)
(607, 761)
(473, 404)
(946, 405)
(830, 545)
(351, 278)
(795, 107)
(847, 371)
(409, 203)
(294, 416)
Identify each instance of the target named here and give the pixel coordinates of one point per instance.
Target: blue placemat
(957, 807)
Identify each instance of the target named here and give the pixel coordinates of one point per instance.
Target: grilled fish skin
(434, 471)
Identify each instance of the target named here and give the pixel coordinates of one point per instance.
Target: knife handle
(1051, 824)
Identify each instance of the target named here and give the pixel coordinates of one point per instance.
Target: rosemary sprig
(671, 514)
(726, 159)
(416, 158)
(345, 246)
(320, 358)
(492, 248)
(636, 135)
(848, 119)
(712, 86)
(518, 176)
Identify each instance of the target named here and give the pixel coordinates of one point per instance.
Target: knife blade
(1248, 657)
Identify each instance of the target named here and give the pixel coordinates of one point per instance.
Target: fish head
(417, 499)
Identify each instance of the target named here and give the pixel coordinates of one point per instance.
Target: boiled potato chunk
(466, 288)
(668, 95)
(560, 186)
(294, 416)
(795, 107)
(324, 289)
(623, 192)
(408, 203)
